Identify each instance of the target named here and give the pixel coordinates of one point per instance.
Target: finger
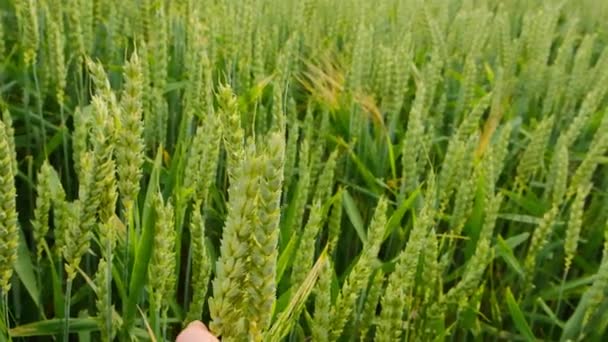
(196, 332)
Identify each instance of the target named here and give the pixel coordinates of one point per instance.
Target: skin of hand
(196, 332)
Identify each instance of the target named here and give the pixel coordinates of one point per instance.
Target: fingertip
(197, 325)
(196, 331)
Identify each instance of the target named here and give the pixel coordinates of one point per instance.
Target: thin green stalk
(129, 214)
(47, 250)
(5, 317)
(28, 122)
(187, 281)
(559, 299)
(39, 107)
(164, 325)
(39, 275)
(57, 274)
(28, 127)
(108, 285)
(33, 118)
(66, 323)
(80, 82)
(16, 306)
(64, 141)
(180, 212)
(155, 316)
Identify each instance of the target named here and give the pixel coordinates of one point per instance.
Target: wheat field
(312, 170)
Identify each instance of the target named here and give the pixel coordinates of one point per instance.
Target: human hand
(196, 332)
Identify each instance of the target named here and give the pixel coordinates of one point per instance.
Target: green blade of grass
(144, 247)
(527, 219)
(286, 256)
(569, 288)
(353, 214)
(530, 203)
(549, 312)
(518, 316)
(54, 326)
(506, 253)
(287, 317)
(53, 143)
(372, 182)
(395, 220)
(25, 270)
(516, 240)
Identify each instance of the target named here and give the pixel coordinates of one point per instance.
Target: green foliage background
(286, 170)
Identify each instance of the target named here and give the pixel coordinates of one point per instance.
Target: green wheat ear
(321, 325)
(40, 223)
(264, 252)
(575, 222)
(234, 135)
(130, 143)
(229, 304)
(325, 183)
(412, 142)
(358, 278)
(9, 233)
(80, 138)
(304, 258)
(595, 295)
(27, 15)
(372, 299)
(397, 298)
(558, 177)
(597, 149)
(201, 264)
(540, 238)
(481, 258)
(10, 138)
(334, 223)
(161, 272)
(202, 161)
(55, 42)
(75, 239)
(109, 321)
(431, 271)
(535, 150)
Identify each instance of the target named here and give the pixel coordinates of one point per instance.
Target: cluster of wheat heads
(330, 170)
